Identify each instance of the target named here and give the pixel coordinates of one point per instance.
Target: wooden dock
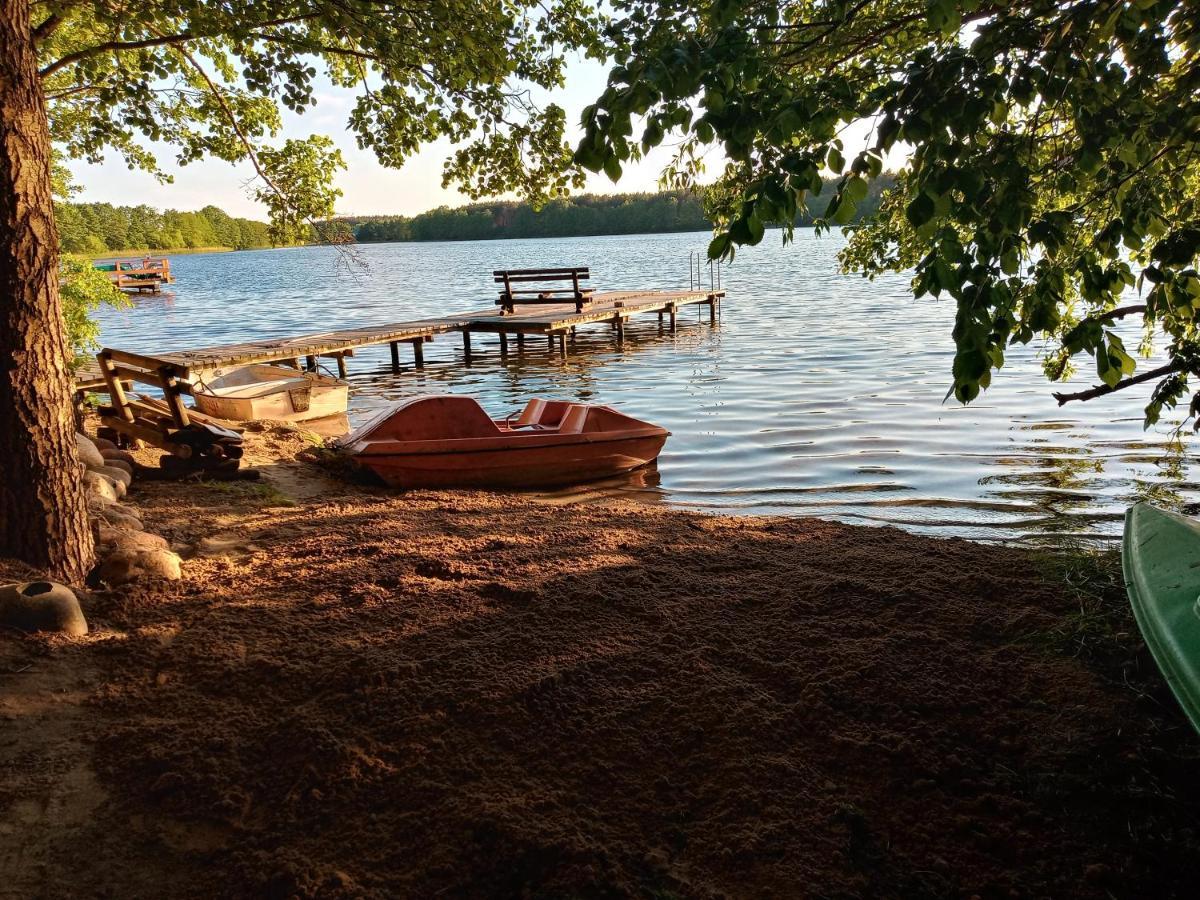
(147, 273)
(174, 371)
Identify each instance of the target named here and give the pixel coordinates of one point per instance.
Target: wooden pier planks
(189, 363)
(607, 306)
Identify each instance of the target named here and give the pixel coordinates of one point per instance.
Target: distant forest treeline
(95, 228)
(587, 214)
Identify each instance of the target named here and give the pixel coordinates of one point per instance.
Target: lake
(817, 394)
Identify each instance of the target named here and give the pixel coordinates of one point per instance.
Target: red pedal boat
(449, 441)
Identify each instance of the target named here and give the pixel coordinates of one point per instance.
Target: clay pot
(42, 606)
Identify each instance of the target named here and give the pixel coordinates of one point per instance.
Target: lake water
(818, 393)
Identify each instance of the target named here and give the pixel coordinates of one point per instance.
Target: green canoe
(1161, 560)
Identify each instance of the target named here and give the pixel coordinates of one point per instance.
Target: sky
(368, 188)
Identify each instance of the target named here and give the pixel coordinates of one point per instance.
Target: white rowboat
(271, 392)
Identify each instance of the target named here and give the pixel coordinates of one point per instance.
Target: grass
(1102, 632)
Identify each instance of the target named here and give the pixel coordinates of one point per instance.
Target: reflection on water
(818, 393)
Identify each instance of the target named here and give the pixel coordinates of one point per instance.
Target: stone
(42, 606)
(123, 455)
(125, 539)
(120, 476)
(99, 487)
(117, 517)
(87, 452)
(119, 464)
(104, 444)
(118, 487)
(122, 566)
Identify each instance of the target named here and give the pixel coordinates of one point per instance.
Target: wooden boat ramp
(553, 314)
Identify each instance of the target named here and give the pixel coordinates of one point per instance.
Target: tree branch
(1101, 390)
(158, 41)
(48, 27)
(116, 47)
(1121, 312)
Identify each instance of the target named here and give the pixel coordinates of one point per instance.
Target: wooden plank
(582, 271)
(530, 318)
(161, 408)
(145, 433)
(140, 360)
(116, 391)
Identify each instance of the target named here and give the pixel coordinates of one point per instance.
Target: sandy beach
(356, 692)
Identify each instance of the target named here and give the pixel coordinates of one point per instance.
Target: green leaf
(835, 161)
(856, 189)
(919, 211)
(845, 211)
(612, 168)
(718, 246)
(755, 227)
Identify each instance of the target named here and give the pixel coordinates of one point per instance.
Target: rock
(120, 476)
(105, 445)
(87, 452)
(119, 464)
(117, 517)
(123, 455)
(99, 487)
(125, 539)
(122, 566)
(118, 486)
(42, 606)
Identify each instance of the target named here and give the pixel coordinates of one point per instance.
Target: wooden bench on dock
(532, 295)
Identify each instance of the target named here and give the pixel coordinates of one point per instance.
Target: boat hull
(280, 395)
(1160, 557)
(551, 465)
(323, 402)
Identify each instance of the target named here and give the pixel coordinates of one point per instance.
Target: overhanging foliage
(1053, 154)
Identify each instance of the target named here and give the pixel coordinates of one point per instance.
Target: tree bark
(43, 514)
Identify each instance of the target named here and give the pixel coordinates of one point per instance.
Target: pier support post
(503, 344)
(419, 353)
(562, 344)
(550, 340)
(310, 363)
(674, 318)
(341, 364)
(520, 341)
(467, 344)
(395, 356)
(712, 310)
(620, 323)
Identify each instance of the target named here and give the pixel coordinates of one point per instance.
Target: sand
(362, 693)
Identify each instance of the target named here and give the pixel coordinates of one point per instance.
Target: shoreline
(358, 692)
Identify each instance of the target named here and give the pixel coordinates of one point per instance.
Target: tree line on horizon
(578, 216)
(95, 228)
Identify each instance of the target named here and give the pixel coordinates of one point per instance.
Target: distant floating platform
(147, 274)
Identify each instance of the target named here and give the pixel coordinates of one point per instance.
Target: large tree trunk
(43, 516)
